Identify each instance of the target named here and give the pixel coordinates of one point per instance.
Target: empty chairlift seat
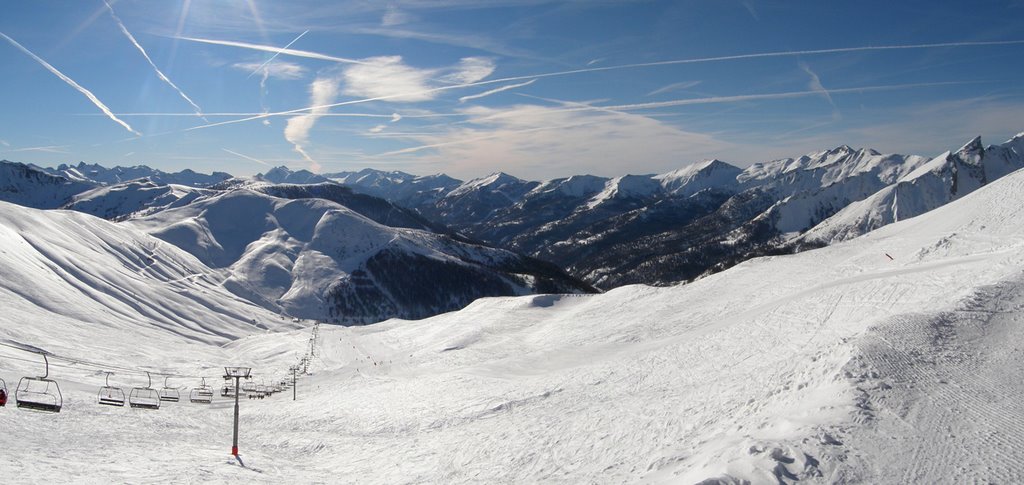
(202, 394)
(144, 397)
(168, 393)
(110, 395)
(39, 393)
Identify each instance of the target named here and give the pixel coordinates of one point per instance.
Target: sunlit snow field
(834, 365)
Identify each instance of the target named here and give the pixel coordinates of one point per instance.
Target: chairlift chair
(228, 390)
(39, 393)
(3, 393)
(202, 394)
(168, 393)
(145, 397)
(109, 395)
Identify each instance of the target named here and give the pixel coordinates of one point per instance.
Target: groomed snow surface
(895, 357)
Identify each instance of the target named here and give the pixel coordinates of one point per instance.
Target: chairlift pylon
(109, 395)
(202, 394)
(168, 393)
(144, 397)
(39, 393)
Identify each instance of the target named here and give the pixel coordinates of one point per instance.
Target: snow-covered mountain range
(892, 357)
(662, 229)
(100, 175)
(654, 229)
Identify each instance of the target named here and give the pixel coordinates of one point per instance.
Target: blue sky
(535, 88)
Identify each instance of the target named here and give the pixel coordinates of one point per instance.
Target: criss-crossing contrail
(618, 109)
(88, 94)
(159, 73)
(612, 68)
(270, 48)
(496, 91)
(276, 54)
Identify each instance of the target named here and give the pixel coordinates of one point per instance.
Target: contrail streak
(276, 50)
(757, 97)
(495, 91)
(276, 53)
(159, 73)
(816, 85)
(48, 148)
(88, 94)
(665, 104)
(618, 67)
(463, 141)
(247, 157)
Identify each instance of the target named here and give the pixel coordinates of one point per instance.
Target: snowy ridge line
(76, 363)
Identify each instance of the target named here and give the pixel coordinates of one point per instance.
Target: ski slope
(890, 358)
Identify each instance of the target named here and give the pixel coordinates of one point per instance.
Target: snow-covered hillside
(889, 358)
(135, 198)
(315, 258)
(69, 278)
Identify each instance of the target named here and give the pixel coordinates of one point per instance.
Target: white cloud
(377, 129)
(388, 76)
(471, 70)
(322, 91)
(278, 70)
(394, 16)
(549, 142)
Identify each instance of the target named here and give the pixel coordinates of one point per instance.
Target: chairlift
(249, 386)
(3, 393)
(109, 395)
(168, 393)
(202, 394)
(39, 393)
(229, 389)
(145, 397)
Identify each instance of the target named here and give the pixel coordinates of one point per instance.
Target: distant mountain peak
(971, 151)
(285, 175)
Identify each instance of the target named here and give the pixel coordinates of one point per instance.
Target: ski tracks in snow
(945, 389)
